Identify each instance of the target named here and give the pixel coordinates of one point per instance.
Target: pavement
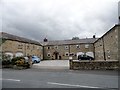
(52, 64)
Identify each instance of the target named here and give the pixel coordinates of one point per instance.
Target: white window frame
(37, 47)
(55, 47)
(66, 53)
(87, 45)
(66, 47)
(20, 46)
(49, 54)
(77, 46)
(72, 53)
(41, 48)
(49, 47)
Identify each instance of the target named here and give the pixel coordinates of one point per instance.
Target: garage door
(9, 54)
(80, 53)
(90, 54)
(18, 54)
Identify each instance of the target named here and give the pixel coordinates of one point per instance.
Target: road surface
(43, 78)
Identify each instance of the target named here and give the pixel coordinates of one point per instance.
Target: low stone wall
(94, 65)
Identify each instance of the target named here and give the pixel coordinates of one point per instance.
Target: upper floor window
(28, 47)
(41, 48)
(20, 46)
(77, 46)
(48, 47)
(33, 46)
(66, 47)
(86, 45)
(37, 47)
(55, 47)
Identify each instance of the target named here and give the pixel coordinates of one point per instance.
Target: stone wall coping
(95, 60)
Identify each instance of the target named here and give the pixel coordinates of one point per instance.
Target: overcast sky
(58, 19)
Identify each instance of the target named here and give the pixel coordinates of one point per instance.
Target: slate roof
(113, 28)
(66, 42)
(16, 38)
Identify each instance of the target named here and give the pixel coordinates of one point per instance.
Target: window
(55, 47)
(100, 43)
(77, 46)
(87, 46)
(66, 53)
(72, 54)
(20, 46)
(108, 56)
(37, 47)
(48, 47)
(28, 47)
(108, 51)
(66, 47)
(33, 47)
(48, 54)
(41, 48)
(116, 36)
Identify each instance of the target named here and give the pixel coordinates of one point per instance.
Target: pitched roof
(17, 38)
(113, 28)
(66, 42)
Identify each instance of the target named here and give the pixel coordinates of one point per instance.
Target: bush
(6, 59)
(20, 61)
(14, 60)
(6, 62)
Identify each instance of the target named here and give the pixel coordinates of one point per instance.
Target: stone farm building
(18, 46)
(103, 48)
(62, 49)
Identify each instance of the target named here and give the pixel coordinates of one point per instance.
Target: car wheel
(35, 61)
(90, 59)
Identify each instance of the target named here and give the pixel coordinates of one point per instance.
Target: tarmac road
(44, 78)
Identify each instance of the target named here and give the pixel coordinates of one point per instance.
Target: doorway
(56, 54)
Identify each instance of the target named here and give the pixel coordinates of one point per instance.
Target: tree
(75, 38)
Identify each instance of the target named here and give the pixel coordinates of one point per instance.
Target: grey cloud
(58, 20)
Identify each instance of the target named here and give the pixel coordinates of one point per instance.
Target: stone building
(18, 46)
(62, 49)
(106, 47)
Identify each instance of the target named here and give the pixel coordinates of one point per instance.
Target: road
(43, 78)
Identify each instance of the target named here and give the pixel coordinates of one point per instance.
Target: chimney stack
(94, 36)
(45, 40)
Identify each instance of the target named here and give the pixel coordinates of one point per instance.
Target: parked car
(35, 59)
(85, 57)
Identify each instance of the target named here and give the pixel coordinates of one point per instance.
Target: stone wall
(94, 65)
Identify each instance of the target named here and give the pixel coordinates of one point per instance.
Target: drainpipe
(25, 49)
(43, 53)
(69, 49)
(94, 50)
(104, 49)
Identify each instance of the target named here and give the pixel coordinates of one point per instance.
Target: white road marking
(16, 80)
(54, 83)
